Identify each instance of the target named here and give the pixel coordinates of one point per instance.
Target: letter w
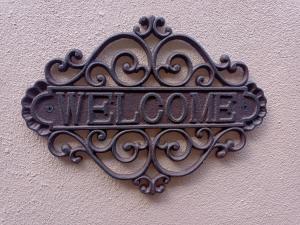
(70, 106)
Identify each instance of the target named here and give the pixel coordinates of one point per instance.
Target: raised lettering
(183, 101)
(99, 109)
(143, 103)
(70, 106)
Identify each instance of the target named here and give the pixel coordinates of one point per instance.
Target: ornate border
(204, 140)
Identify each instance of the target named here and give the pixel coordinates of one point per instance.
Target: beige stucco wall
(258, 185)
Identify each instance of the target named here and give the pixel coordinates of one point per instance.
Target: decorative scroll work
(217, 110)
(153, 26)
(145, 183)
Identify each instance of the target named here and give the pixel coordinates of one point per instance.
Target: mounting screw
(49, 108)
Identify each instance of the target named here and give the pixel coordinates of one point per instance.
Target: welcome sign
(204, 101)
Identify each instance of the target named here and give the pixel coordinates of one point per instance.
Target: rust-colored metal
(53, 108)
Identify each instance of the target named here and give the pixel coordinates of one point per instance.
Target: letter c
(143, 103)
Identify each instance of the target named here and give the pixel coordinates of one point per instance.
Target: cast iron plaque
(202, 110)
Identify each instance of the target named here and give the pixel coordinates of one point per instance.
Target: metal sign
(204, 109)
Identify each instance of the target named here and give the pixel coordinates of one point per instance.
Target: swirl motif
(171, 67)
(66, 149)
(152, 25)
(100, 78)
(134, 147)
(172, 147)
(151, 186)
(232, 67)
(129, 68)
(63, 65)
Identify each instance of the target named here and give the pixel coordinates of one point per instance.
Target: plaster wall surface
(257, 185)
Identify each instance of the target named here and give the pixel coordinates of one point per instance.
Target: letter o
(184, 107)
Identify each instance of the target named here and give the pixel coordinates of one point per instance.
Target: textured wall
(258, 185)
